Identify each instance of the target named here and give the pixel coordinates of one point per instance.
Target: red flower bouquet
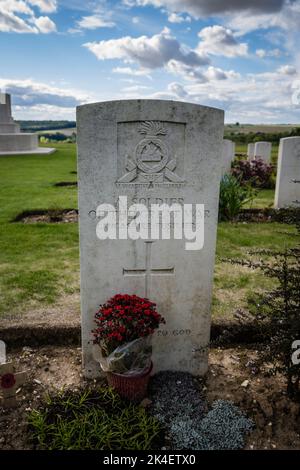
(124, 328)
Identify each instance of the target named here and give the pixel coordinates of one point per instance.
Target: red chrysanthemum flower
(124, 318)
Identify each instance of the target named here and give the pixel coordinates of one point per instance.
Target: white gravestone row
(250, 152)
(228, 154)
(287, 193)
(2, 352)
(263, 151)
(150, 151)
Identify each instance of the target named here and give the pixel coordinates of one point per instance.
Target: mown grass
(235, 285)
(39, 263)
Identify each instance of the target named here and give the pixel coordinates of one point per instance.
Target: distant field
(267, 128)
(68, 131)
(54, 126)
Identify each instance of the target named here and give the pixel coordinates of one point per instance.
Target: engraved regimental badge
(151, 160)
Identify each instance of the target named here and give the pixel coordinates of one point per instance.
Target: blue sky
(239, 55)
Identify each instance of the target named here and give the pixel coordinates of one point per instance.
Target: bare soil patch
(276, 417)
(66, 183)
(286, 216)
(48, 216)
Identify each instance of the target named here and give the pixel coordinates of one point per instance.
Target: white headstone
(263, 151)
(228, 154)
(150, 151)
(2, 352)
(287, 192)
(250, 151)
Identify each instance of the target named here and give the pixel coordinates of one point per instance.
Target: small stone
(2, 440)
(245, 384)
(37, 381)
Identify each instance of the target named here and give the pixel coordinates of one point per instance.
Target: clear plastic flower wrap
(131, 358)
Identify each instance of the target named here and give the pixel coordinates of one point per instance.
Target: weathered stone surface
(113, 161)
(263, 151)
(250, 151)
(228, 154)
(287, 192)
(12, 141)
(18, 142)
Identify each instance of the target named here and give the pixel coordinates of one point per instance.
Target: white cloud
(176, 18)
(261, 53)
(131, 71)
(287, 18)
(45, 6)
(135, 88)
(45, 25)
(218, 40)
(200, 8)
(43, 112)
(255, 98)
(135, 20)
(15, 6)
(17, 16)
(27, 93)
(215, 73)
(148, 52)
(94, 22)
(287, 70)
(200, 75)
(9, 22)
(186, 71)
(177, 89)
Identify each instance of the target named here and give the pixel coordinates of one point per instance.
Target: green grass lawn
(39, 263)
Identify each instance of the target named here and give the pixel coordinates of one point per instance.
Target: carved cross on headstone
(9, 384)
(148, 271)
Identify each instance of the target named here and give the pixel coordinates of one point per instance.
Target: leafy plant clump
(93, 419)
(257, 173)
(233, 196)
(275, 314)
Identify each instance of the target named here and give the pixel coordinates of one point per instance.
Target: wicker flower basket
(134, 387)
